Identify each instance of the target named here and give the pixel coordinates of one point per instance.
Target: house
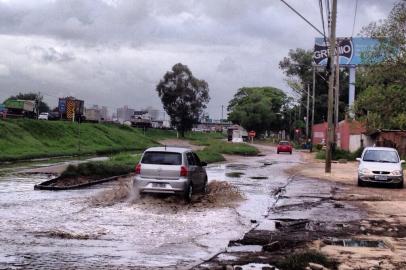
(389, 138)
(350, 135)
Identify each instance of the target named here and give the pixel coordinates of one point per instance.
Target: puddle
(251, 266)
(234, 174)
(245, 248)
(237, 166)
(355, 243)
(259, 177)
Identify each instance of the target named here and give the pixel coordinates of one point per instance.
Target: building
(124, 114)
(104, 113)
(350, 135)
(92, 114)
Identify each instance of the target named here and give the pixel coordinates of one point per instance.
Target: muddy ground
(355, 227)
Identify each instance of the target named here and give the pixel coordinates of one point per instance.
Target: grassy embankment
(26, 139)
(125, 163)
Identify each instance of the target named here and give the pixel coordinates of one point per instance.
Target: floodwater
(109, 226)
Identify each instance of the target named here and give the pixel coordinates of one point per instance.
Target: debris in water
(234, 174)
(259, 177)
(68, 235)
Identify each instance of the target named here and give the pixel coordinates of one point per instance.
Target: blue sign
(349, 49)
(62, 105)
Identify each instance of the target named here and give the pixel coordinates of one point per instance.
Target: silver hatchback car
(172, 170)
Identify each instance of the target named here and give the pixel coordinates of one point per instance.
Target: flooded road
(67, 230)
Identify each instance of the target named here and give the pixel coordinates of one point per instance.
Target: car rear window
(283, 143)
(162, 158)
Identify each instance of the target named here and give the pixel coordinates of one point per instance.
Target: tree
(183, 96)
(42, 106)
(297, 66)
(383, 82)
(257, 108)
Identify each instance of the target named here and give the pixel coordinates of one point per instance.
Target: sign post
(251, 135)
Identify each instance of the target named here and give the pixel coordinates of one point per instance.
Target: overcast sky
(114, 52)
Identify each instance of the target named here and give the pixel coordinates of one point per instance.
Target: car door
(192, 169)
(201, 171)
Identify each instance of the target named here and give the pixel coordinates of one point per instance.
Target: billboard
(349, 49)
(62, 105)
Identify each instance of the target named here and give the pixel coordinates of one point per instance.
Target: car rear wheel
(187, 195)
(277, 152)
(290, 152)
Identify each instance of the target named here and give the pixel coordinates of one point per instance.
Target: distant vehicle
(141, 119)
(22, 108)
(171, 170)
(380, 165)
(284, 146)
(43, 116)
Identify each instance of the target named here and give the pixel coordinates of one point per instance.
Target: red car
(284, 146)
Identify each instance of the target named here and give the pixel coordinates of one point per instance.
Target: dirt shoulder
(385, 221)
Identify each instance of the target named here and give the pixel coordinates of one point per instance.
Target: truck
(141, 119)
(3, 111)
(19, 107)
(70, 107)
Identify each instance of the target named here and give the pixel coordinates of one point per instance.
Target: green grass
(116, 165)
(27, 139)
(300, 260)
(215, 147)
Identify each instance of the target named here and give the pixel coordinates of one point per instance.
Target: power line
(355, 17)
(301, 16)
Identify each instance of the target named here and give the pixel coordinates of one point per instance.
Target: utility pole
(337, 92)
(331, 51)
(307, 112)
(313, 103)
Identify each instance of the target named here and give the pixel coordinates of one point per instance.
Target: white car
(380, 165)
(43, 116)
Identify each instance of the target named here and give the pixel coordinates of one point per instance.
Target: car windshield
(283, 143)
(381, 156)
(162, 158)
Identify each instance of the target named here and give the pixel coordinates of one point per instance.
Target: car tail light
(138, 169)
(183, 171)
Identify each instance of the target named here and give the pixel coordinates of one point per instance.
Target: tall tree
(42, 106)
(297, 66)
(381, 103)
(183, 96)
(257, 108)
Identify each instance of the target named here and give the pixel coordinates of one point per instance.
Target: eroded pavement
(109, 227)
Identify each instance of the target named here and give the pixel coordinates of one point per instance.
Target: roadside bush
(341, 154)
(300, 260)
(116, 165)
(319, 147)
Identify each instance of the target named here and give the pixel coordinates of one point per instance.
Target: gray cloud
(114, 52)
